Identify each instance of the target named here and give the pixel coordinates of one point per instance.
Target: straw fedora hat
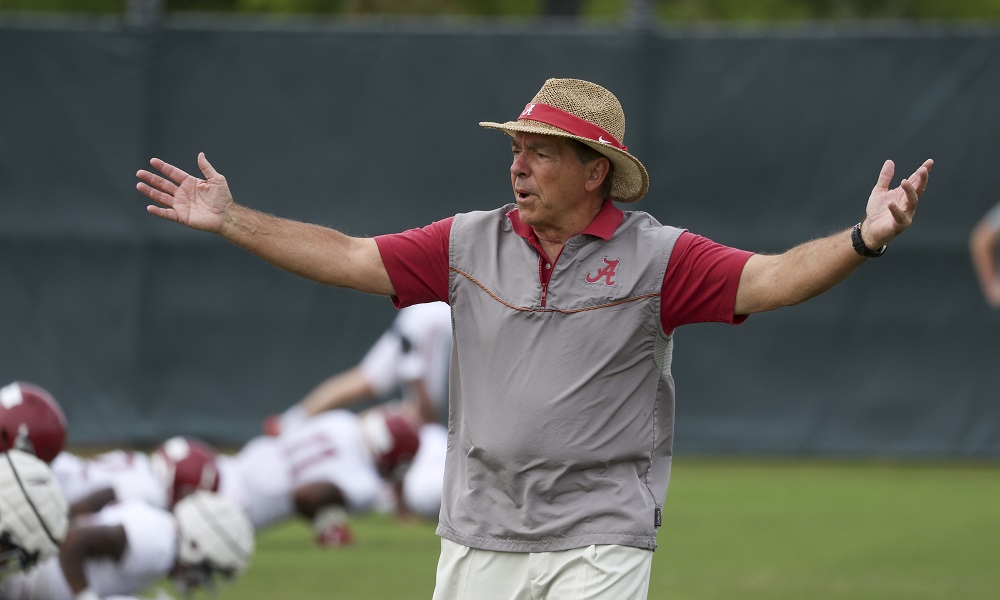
(590, 114)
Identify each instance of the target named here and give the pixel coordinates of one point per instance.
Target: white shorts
(603, 572)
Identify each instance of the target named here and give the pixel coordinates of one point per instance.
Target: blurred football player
(31, 420)
(33, 515)
(414, 355)
(177, 467)
(984, 242)
(323, 469)
(129, 546)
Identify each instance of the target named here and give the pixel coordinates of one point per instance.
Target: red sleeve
(701, 282)
(417, 263)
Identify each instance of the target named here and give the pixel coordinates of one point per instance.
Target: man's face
(548, 179)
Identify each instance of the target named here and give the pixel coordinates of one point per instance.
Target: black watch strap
(861, 248)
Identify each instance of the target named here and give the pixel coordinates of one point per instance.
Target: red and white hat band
(550, 115)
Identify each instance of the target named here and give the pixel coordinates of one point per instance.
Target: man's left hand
(890, 211)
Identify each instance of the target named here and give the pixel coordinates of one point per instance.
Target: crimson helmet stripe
(550, 115)
(31, 503)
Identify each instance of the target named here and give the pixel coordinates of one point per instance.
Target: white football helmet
(216, 537)
(33, 512)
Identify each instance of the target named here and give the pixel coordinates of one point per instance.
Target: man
(324, 468)
(129, 546)
(33, 517)
(983, 244)
(412, 354)
(562, 399)
(177, 467)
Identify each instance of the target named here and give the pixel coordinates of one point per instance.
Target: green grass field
(747, 529)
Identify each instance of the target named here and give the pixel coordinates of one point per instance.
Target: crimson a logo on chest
(603, 274)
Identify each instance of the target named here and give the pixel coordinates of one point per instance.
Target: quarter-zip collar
(603, 226)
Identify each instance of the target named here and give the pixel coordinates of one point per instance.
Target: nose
(518, 166)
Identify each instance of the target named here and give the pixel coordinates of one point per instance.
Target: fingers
(164, 213)
(155, 195)
(918, 180)
(898, 214)
(885, 175)
(910, 190)
(206, 167)
(173, 173)
(904, 216)
(156, 182)
(920, 176)
(902, 202)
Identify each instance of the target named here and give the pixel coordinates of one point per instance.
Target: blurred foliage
(666, 10)
(785, 10)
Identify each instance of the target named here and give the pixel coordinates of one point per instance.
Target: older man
(564, 306)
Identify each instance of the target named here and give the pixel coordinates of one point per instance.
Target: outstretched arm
(339, 391)
(809, 269)
(92, 502)
(983, 243)
(318, 253)
(90, 542)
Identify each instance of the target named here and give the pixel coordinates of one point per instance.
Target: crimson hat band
(550, 115)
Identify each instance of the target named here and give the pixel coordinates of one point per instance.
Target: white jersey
(416, 347)
(259, 480)
(328, 447)
(150, 553)
(130, 474)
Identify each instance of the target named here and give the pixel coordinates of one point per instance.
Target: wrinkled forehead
(524, 139)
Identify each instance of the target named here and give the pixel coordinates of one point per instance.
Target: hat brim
(631, 181)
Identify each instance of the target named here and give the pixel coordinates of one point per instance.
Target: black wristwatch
(859, 244)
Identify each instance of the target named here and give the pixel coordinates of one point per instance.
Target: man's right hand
(198, 203)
